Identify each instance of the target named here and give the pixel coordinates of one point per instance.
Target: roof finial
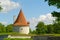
(21, 9)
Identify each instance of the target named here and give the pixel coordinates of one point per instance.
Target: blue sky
(31, 8)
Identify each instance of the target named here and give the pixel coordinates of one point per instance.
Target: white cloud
(47, 19)
(8, 5)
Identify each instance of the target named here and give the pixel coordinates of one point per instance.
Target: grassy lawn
(17, 39)
(18, 34)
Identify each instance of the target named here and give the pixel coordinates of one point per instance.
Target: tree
(9, 28)
(56, 28)
(41, 28)
(54, 3)
(0, 7)
(2, 28)
(56, 24)
(57, 15)
(57, 4)
(30, 31)
(50, 29)
(33, 32)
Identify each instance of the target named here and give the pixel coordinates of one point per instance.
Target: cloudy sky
(34, 10)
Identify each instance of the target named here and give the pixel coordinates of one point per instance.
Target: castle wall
(16, 29)
(24, 30)
(21, 30)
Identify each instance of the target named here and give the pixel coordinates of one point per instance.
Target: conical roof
(20, 21)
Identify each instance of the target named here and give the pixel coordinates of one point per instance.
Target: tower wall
(22, 29)
(16, 29)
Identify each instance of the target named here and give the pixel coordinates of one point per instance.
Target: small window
(21, 28)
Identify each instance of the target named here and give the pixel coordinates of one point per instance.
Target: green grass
(17, 34)
(17, 39)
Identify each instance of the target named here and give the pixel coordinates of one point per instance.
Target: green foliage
(5, 29)
(56, 25)
(50, 29)
(0, 7)
(57, 15)
(41, 28)
(56, 28)
(54, 3)
(33, 32)
(17, 39)
(9, 28)
(2, 28)
(30, 31)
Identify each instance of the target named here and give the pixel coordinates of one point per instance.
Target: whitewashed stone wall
(22, 30)
(9, 36)
(16, 29)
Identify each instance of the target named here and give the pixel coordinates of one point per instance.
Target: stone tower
(21, 25)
